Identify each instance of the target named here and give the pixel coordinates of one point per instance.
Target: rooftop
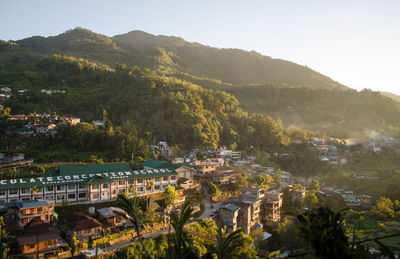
(28, 204)
(230, 207)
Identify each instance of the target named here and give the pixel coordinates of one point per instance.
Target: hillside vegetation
(295, 94)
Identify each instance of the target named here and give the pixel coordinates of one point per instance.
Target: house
(15, 157)
(46, 128)
(163, 148)
(219, 161)
(98, 123)
(297, 193)
(20, 117)
(25, 211)
(5, 89)
(40, 240)
(83, 227)
(112, 215)
(71, 120)
(252, 192)
(202, 167)
(221, 179)
(271, 207)
(228, 216)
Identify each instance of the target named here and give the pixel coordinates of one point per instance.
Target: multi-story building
(79, 183)
(228, 216)
(40, 240)
(25, 211)
(271, 207)
(203, 167)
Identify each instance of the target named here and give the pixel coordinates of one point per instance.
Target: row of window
(72, 187)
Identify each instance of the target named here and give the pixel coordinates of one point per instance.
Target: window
(13, 192)
(131, 182)
(71, 196)
(40, 189)
(95, 186)
(139, 180)
(165, 178)
(82, 195)
(121, 182)
(49, 189)
(49, 197)
(71, 187)
(114, 192)
(157, 179)
(2, 192)
(31, 246)
(60, 197)
(113, 184)
(82, 186)
(25, 190)
(121, 190)
(96, 196)
(157, 187)
(60, 187)
(173, 178)
(105, 185)
(140, 189)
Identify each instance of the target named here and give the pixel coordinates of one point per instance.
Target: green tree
(314, 185)
(311, 199)
(169, 196)
(4, 249)
(178, 221)
(383, 208)
(213, 189)
(260, 181)
(133, 214)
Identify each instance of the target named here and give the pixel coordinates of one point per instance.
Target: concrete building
(26, 211)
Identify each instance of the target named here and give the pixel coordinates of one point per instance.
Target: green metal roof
(161, 164)
(230, 207)
(94, 168)
(154, 163)
(86, 174)
(27, 204)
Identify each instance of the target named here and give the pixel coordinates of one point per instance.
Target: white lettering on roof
(120, 173)
(84, 176)
(136, 172)
(21, 181)
(67, 177)
(40, 179)
(3, 182)
(142, 172)
(75, 176)
(162, 170)
(13, 181)
(59, 178)
(49, 179)
(128, 173)
(32, 180)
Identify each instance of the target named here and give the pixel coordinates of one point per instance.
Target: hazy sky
(354, 42)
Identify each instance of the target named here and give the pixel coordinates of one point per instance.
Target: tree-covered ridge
(175, 55)
(170, 109)
(336, 112)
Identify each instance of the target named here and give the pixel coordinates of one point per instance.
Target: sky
(354, 42)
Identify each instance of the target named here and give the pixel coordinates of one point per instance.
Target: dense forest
(293, 95)
(170, 109)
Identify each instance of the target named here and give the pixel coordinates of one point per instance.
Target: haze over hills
(284, 90)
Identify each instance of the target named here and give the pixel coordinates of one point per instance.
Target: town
(70, 209)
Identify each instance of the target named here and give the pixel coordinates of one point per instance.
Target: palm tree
(132, 214)
(227, 244)
(178, 221)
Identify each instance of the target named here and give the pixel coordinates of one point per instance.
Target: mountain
(391, 96)
(259, 85)
(174, 55)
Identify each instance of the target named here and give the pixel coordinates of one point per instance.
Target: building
(228, 216)
(252, 192)
(183, 170)
(40, 240)
(96, 182)
(271, 207)
(26, 211)
(203, 167)
(83, 227)
(112, 216)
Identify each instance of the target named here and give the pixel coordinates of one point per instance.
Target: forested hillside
(175, 55)
(320, 104)
(168, 108)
